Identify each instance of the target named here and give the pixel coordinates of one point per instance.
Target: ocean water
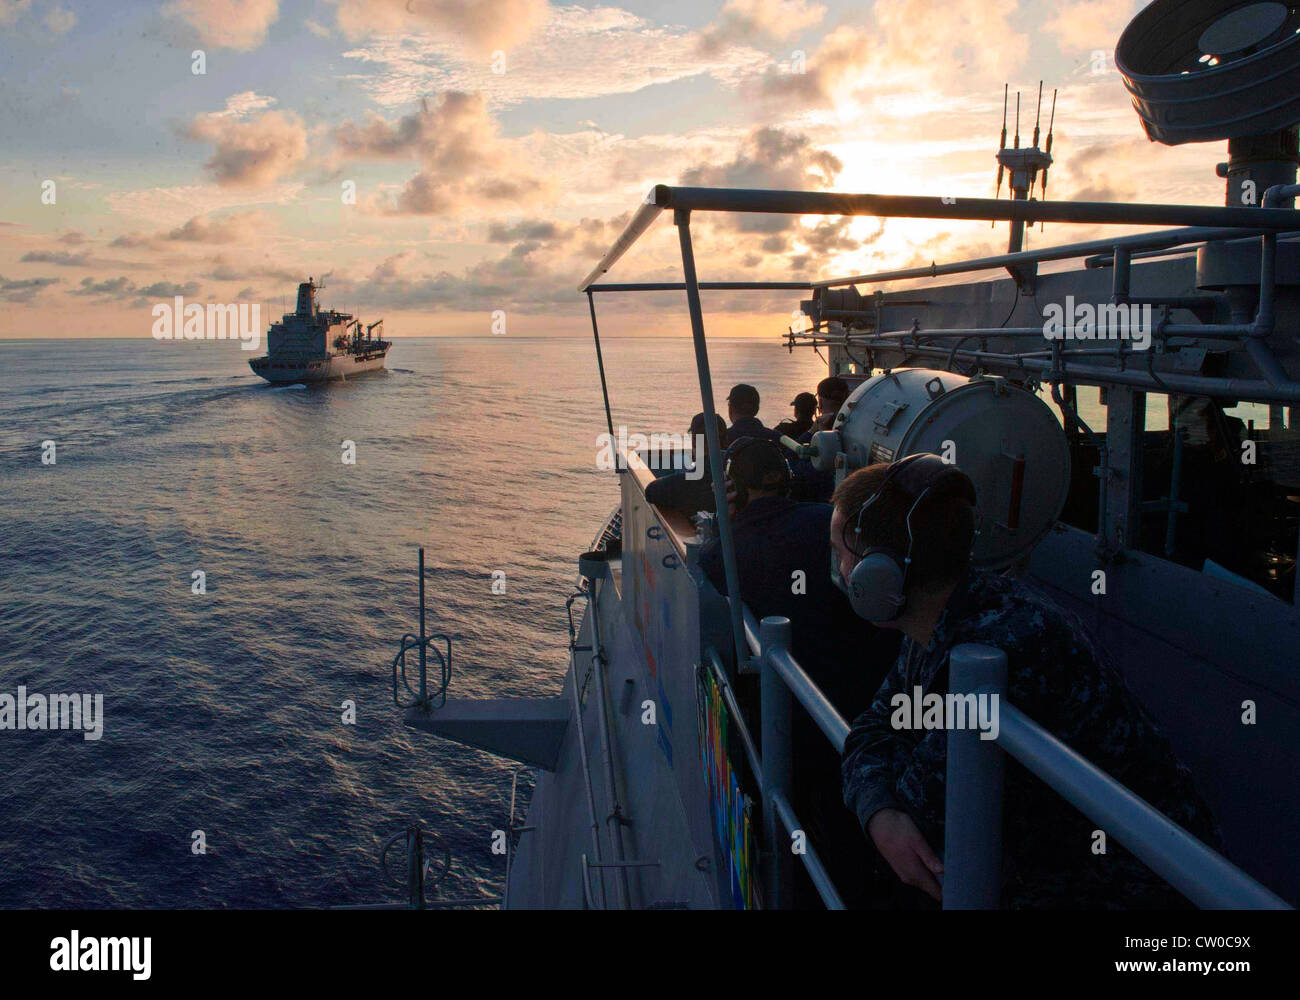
(223, 711)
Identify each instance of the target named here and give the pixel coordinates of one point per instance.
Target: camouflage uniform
(1061, 680)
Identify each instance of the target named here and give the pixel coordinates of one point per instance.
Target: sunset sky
(496, 148)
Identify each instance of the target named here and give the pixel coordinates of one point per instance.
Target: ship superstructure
(312, 344)
(655, 790)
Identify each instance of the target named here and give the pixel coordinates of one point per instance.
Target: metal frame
(973, 852)
(973, 820)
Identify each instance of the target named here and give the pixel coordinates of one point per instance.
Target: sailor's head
(805, 405)
(756, 467)
(831, 394)
(742, 402)
(900, 530)
(699, 440)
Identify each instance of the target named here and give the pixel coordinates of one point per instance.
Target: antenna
(1017, 146)
(1051, 123)
(1038, 115)
(1002, 144)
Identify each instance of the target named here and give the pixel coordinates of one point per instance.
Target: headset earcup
(876, 586)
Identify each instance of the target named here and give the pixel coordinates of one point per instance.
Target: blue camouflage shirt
(1061, 680)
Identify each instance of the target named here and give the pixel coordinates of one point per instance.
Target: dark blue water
(223, 711)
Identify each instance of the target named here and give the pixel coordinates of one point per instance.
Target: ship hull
(288, 371)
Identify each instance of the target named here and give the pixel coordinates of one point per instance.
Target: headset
(875, 588)
(742, 486)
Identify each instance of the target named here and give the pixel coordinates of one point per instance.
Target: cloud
(253, 152)
(72, 238)
(1090, 25)
(23, 289)
(168, 207)
(759, 21)
(226, 24)
(60, 257)
(455, 140)
(201, 229)
(908, 48)
(123, 288)
(243, 104)
(484, 24)
(631, 52)
(223, 268)
(769, 158)
(60, 20)
(12, 10)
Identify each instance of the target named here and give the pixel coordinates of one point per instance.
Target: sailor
(810, 483)
(805, 408)
(831, 394)
(902, 536)
(782, 557)
(742, 411)
(689, 491)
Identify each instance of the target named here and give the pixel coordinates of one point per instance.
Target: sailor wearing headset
(902, 535)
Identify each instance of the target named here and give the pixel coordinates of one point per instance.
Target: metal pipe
(615, 819)
(726, 538)
(1205, 877)
(812, 862)
(705, 286)
(752, 636)
(415, 867)
(586, 770)
(1175, 479)
(698, 199)
(687, 199)
(639, 223)
(600, 364)
(810, 696)
(972, 844)
(1166, 239)
(778, 769)
(424, 690)
(1256, 390)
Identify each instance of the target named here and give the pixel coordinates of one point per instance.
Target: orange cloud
(253, 152)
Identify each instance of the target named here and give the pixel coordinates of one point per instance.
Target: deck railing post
(778, 770)
(714, 442)
(972, 853)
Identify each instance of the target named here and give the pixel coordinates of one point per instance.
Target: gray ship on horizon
(312, 344)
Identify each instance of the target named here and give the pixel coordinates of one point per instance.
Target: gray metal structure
(653, 791)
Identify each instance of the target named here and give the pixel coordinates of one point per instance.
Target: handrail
(973, 807)
(810, 696)
(816, 870)
(689, 199)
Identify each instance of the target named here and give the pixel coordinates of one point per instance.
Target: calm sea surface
(223, 710)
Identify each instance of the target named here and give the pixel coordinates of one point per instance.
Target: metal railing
(422, 643)
(973, 804)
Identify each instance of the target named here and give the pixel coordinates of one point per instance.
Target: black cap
(805, 400)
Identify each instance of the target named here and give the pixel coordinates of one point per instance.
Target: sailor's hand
(901, 844)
